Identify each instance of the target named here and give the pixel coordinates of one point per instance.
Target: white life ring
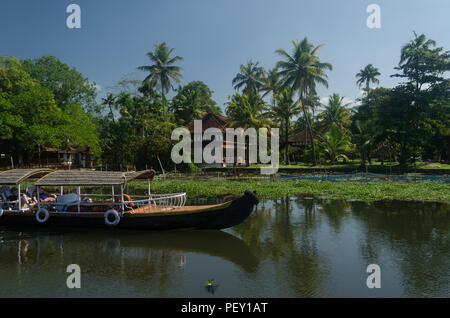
(45, 218)
(114, 214)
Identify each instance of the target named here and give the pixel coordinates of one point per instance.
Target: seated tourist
(13, 197)
(45, 196)
(26, 202)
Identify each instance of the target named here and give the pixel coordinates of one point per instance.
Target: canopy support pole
(112, 192)
(123, 204)
(37, 198)
(79, 198)
(19, 198)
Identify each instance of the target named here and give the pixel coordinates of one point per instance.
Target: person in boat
(45, 196)
(26, 201)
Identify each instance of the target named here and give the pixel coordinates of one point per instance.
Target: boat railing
(156, 202)
(160, 202)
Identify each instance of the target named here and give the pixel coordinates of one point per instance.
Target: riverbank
(360, 191)
(351, 167)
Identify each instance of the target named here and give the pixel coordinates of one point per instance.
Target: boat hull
(214, 218)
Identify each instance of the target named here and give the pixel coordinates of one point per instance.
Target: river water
(290, 247)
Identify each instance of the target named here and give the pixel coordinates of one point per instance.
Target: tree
(163, 70)
(247, 111)
(368, 75)
(421, 64)
(30, 118)
(335, 144)
(193, 100)
(271, 84)
(249, 78)
(110, 101)
(301, 71)
(335, 112)
(66, 83)
(284, 109)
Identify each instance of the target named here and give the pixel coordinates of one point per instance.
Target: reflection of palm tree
(276, 235)
(415, 237)
(335, 211)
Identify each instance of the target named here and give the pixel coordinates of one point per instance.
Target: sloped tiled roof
(211, 120)
(302, 138)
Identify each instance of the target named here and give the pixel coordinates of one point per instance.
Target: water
(289, 247)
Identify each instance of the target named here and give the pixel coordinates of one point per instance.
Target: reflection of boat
(152, 212)
(135, 243)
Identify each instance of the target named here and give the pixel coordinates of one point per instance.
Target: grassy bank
(362, 191)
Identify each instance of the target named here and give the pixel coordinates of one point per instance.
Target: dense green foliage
(46, 103)
(34, 115)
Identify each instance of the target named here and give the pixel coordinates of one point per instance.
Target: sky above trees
(216, 37)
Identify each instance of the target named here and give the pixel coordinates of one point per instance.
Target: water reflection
(290, 247)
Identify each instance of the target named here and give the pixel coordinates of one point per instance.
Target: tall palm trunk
(309, 129)
(286, 149)
(164, 101)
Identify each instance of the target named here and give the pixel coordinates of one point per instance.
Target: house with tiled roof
(211, 120)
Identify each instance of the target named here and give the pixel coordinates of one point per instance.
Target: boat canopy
(86, 178)
(17, 176)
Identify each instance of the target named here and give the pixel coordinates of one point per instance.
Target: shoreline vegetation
(355, 191)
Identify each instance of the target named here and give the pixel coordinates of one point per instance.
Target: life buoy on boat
(114, 215)
(39, 217)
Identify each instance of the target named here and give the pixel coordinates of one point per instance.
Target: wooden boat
(149, 212)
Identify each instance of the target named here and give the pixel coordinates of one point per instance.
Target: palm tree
(335, 112)
(162, 71)
(246, 111)
(249, 78)
(187, 106)
(110, 101)
(414, 54)
(283, 111)
(271, 83)
(335, 144)
(301, 71)
(364, 139)
(367, 75)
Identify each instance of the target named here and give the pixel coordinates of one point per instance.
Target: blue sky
(216, 36)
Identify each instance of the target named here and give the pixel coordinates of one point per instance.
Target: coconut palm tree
(187, 106)
(335, 112)
(247, 111)
(367, 75)
(249, 78)
(284, 109)
(335, 144)
(301, 71)
(163, 70)
(271, 83)
(110, 101)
